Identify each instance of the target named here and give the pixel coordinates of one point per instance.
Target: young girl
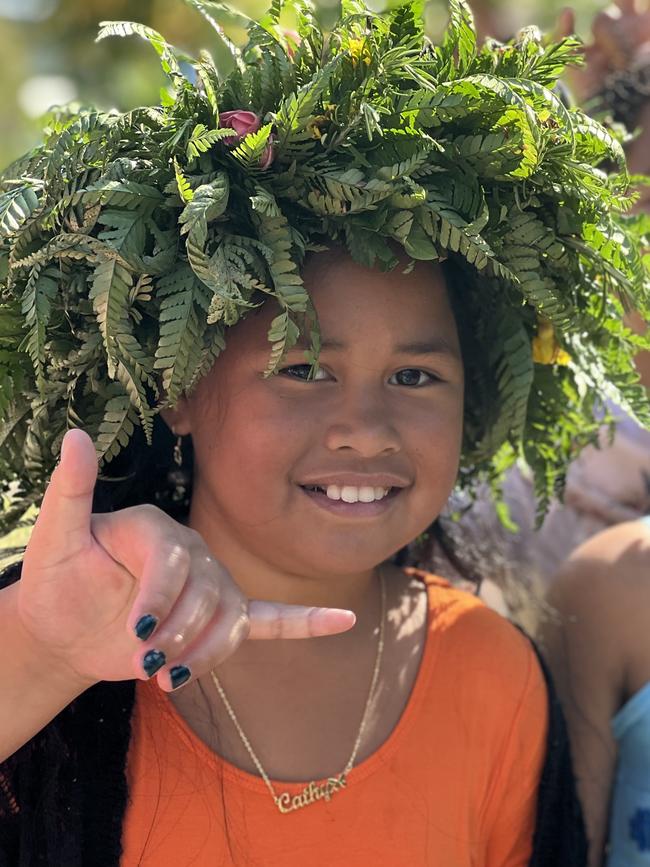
(420, 233)
(599, 651)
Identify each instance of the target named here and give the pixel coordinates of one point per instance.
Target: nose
(363, 424)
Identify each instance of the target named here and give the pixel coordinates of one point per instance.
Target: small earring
(178, 478)
(178, 452)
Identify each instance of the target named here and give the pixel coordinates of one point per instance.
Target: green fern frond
(40, 290)
(208, 202)
(110, 291)
(183, 186)
(459, 42)
(594, 144)
(202, 139)
(169, 56)
(16, 207)
(119, 194)
(208, 75)
(125, 232)
(283, 334)
(116, 429)
(512, 362)
(66, 245)
(208, 9)
(179, 347)
(265, 202)
(288, 286)
(249, 151)
(297, 109)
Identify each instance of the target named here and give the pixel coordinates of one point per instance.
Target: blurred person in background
(598, 645)
(596, 631)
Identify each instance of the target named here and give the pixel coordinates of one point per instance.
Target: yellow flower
(546, 349)
(358, 49)
(315, 124)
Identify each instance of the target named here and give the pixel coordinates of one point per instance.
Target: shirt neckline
(359, 772)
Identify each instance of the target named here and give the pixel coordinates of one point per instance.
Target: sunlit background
(48, 55)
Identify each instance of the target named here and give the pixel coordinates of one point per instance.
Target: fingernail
(152, 661)
(179, 675)
(145, 626)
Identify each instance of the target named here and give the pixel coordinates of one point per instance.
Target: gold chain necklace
(312, 792)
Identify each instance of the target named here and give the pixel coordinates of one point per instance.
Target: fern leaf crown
(130, 242)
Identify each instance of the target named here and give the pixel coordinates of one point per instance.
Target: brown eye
(303, 372)
(411, 377)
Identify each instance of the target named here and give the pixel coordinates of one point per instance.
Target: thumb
(63, 524)
(565, 24)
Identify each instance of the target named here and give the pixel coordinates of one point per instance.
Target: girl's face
(276, 459)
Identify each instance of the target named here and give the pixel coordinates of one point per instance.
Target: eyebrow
(433, 346)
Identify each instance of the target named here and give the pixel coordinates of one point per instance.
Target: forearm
(33, 688)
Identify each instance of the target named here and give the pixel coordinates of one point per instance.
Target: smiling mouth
(351, 493)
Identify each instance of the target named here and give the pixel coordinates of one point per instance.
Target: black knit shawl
(63, 795)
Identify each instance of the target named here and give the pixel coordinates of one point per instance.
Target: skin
(354, 417)
(597, 644)
(351, 419)
(260, 559)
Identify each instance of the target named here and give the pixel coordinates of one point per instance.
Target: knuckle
(311, 622)
(174, 643)
(277, 627)
(176, 556)
(194, 538)
(160, 600)
(240, 629)
(147, 511)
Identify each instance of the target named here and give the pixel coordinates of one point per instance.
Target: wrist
(36, 684)
(38, 661)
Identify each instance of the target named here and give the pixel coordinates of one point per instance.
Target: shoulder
(606, 576)
(598, 613)
(466, 624)
(487, 660)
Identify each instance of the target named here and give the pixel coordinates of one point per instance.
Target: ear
(178, 417)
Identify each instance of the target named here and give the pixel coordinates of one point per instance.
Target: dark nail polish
(179, 675)
(152, 661)
(145, 626)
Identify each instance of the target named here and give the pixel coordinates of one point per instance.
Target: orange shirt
(454, 785)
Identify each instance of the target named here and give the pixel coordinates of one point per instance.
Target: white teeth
(351, 494)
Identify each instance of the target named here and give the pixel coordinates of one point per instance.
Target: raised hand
(620, 36)
(132, 593)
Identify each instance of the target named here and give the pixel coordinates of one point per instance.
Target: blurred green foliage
(49, 54)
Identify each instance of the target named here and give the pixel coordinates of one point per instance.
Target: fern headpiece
(131, 242)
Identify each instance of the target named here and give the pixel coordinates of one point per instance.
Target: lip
(354, 510)
(357, 480)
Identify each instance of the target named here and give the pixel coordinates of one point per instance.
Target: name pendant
(287, 803)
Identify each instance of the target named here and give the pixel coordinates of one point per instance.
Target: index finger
(269, 620)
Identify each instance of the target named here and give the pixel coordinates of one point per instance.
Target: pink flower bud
(243, 122)
(293, 41)
(268, 154)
